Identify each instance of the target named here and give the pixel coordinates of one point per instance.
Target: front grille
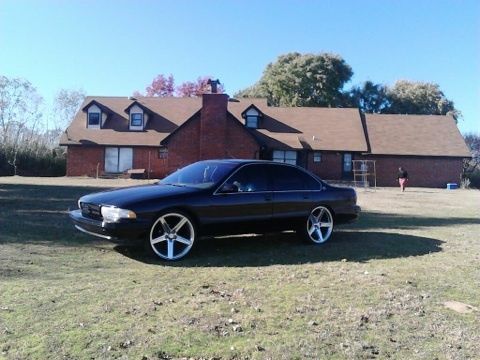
(91, 211)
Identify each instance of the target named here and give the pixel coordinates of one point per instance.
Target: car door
(293, 195)
(243, 204)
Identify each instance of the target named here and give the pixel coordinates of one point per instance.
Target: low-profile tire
(318, 226)
(172, 235)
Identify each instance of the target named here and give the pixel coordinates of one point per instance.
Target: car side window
(289, 178)
(250, 178)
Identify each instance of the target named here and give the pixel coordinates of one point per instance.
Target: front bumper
(130, 229)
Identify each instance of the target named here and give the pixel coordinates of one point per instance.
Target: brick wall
(229, 141)
(213, 125)
(158, 167)
(422, 171)
(330, 168)
(184, 146)
(83, 160)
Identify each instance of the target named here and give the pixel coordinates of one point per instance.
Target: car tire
(172, 235)
(318, 226)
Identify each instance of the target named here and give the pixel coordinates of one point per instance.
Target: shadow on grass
(38, 214)
(285, 248)
(378, 220)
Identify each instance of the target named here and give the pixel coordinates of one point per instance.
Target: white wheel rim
(320, 225)
(172, 236)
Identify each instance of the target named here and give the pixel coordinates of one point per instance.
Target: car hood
(124, 197)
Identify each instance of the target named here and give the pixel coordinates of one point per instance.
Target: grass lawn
(376, 290)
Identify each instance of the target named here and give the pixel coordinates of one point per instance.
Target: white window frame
(135, 109)
(132, 125)
(99, 119)
(251, 121)
(317, 157)
(285, 156)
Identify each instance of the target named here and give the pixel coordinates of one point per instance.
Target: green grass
(376, 290)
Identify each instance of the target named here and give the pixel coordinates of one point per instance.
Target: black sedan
(218, 197)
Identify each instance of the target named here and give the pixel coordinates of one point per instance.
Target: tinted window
(249, 178)
(290, 178)
(201, 174)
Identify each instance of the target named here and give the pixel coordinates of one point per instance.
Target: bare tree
(65, 105)
(19, 116)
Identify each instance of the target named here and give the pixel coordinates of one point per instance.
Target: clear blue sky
(117, 47)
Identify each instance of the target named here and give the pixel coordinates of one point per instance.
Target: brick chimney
(213, 126)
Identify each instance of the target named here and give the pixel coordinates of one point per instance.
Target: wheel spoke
(179, 225)
(183, 240)
(158, 239)
(164, 224)
(326, 224)
(312, 219)
(320, 215)
(311, 230)
(320, 235)
(170, 249)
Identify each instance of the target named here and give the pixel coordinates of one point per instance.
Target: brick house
(160, 135)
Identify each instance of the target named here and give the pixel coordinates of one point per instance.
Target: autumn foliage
(164, 86)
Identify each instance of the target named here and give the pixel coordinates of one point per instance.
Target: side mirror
(229, 188)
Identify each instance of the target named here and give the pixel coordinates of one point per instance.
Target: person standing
(402, 178)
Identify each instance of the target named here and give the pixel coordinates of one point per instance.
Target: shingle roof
(422, 135)
(315, 128)
(309, 127)
(297, 128)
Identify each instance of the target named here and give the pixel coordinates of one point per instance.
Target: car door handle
(306, 196)
(268, 197)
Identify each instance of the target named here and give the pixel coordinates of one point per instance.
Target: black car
(218, 197)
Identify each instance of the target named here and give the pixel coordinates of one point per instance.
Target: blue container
(452, 186)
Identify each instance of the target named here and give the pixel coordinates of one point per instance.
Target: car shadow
(287, 249)
(379, 220)
(38, 214)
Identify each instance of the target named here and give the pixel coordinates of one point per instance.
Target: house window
(288, 156)
(317, 157)
(162, 152)
(93, 119)
(252, 121)
(136, 119)
(118, 160)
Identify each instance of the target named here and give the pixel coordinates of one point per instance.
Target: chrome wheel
(172, 236)
(319, 225)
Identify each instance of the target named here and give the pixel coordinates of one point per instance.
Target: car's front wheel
(319, 225)
(172, 235)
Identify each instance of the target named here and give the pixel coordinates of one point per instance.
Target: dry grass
(375, 291)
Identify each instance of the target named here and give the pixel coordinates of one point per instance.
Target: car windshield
(203, 174)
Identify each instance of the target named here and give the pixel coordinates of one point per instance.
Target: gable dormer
(138, 116)
(96, 114)
(252, 116)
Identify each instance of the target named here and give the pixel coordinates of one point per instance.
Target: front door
(243, 204)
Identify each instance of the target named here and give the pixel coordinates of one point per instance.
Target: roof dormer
(252, 116)
(138, 116)
(96, 114)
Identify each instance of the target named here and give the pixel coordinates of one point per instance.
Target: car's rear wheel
(172, 235)
(319, 225)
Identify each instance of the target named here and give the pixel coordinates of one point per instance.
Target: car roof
(244, 161)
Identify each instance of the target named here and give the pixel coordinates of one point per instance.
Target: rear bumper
(109, 231)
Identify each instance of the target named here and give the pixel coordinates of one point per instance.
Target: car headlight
(112, 214)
